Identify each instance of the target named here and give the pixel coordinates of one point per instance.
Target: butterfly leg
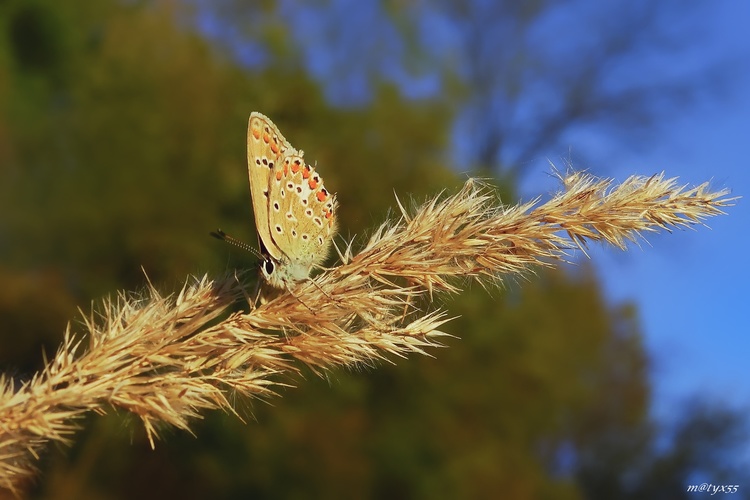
(297, 298)
(256, 293)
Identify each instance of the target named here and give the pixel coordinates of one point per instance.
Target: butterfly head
(282, 274)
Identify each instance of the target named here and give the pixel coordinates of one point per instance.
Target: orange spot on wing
(295, 167)
(312, 183)
(286, 169)
(329, 214)
(275, 147)
(321, 196)
(278, 175)
(256, 133)
(306, 172)
(266, 137)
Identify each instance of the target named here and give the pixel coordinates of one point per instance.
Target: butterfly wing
(301, 215)
(266, 149)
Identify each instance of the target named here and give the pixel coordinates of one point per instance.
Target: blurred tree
(525, 79)
(533, 81)
(104, 154)
(648, 462)
(117, 146)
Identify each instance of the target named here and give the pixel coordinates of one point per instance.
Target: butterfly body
(294, 212)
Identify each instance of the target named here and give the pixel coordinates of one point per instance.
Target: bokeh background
(122, 139)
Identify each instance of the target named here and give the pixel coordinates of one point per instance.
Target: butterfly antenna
(221, 235)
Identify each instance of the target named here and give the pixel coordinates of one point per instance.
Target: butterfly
(294, 212)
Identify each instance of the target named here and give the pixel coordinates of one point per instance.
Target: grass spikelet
(168, 359)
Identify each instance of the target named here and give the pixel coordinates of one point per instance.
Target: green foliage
(137, 154)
